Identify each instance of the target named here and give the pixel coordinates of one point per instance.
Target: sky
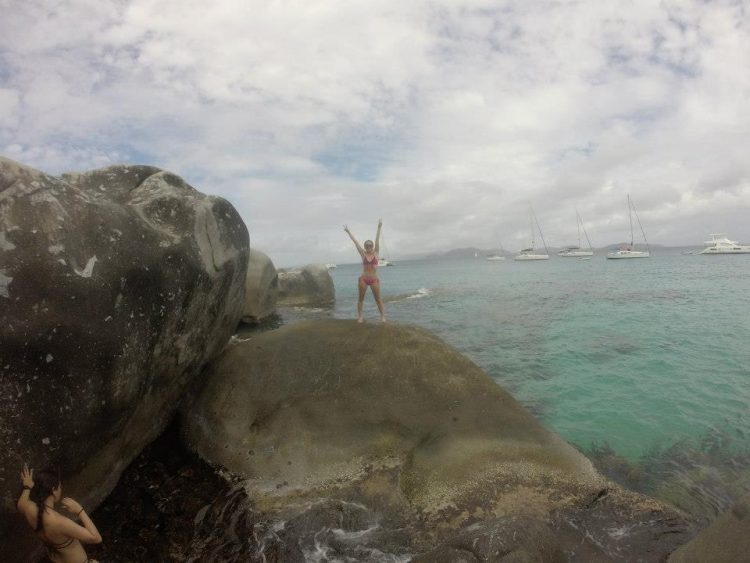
(447, 119)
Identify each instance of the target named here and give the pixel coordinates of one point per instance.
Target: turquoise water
(640, 355)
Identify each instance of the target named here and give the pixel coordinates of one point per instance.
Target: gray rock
(261, 288)
(310, 286)
(391, 418)
(116, 287)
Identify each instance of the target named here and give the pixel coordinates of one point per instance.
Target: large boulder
(726, 540)
(116, 287)
(392, 419)
(310, 286)
(261, 288)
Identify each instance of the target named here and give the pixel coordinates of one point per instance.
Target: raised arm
(86, 533)
(27, 479)
(356, 243)
(377, 237)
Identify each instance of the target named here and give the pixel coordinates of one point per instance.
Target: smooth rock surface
(392, 419)
(261, 288)
(726, 540)
(310, 286)
(116, 287)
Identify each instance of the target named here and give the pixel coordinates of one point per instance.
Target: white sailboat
(720, 244)
(498, 257)
(629, 251)
(577, 251)
(531, 253)
(384, 261)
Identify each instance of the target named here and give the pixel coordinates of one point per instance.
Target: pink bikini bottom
(369, 280)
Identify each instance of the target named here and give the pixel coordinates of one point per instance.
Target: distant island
(471, 251)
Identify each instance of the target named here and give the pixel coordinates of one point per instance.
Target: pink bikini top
(373, 262)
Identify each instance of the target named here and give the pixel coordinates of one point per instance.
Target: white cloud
(445, 118)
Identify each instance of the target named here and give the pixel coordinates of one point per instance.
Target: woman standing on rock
(369, 275)
(60, 534)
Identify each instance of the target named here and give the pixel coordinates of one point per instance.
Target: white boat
(577, 251)
(497, 257)
(530, 253)
(720, 244)
(629, 251)
(330, 265)
(384, 261)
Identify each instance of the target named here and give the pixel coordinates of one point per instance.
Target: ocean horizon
(641, 364)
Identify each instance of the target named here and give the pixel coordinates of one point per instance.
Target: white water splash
(421, 292)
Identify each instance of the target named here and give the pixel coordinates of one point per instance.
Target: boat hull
(529, 257)
(622, 254)
(575, 253)
(735, 250)
(495, 258)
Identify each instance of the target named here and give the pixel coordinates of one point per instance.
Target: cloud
(445, 118)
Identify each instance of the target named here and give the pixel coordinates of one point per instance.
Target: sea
(642, 364)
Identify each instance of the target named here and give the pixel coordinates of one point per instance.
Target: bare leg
(360, 303)
(376, 292)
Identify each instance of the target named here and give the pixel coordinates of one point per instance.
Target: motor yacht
(720, 244)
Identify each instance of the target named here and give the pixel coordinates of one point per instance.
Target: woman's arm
(86, 533)
(27, 479)
(351, 236)
(377, 237)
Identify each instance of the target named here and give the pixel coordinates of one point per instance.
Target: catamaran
(577, 251)
(629, 251)
(530, 253)
(720, 244)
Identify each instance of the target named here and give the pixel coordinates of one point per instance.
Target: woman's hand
(380, 222)
(346, 228)
(27, 476)
(72, 506)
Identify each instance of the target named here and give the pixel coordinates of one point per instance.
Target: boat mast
(584, 231)
(630, 216)
(641, 226)
(541, 235)
(578, 226)
(385, 248)
(531, 226)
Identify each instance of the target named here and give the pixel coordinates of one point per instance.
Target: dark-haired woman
(369, 277)
(60, 534)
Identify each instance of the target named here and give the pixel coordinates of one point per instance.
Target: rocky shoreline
(318, 440)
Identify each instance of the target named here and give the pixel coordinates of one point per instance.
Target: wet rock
(310, 286)
(390, 418)
(261, 288)
(116, 287)
(510, 540)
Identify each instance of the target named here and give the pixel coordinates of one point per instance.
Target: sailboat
(497, 257)
(384, 261)
(629, 251)
(577, 251)
(530, 253)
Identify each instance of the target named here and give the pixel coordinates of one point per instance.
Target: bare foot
(382, 319)
(360, 320)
